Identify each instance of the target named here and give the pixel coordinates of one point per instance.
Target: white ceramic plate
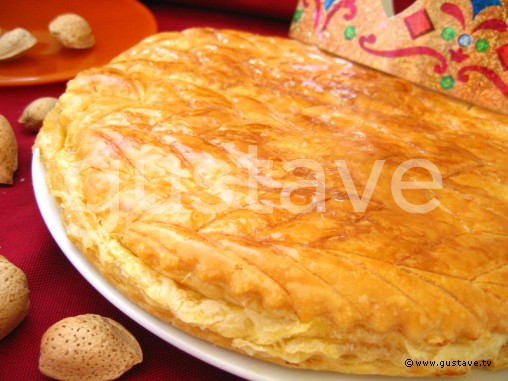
(229, 361)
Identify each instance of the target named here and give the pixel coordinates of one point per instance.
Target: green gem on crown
(448, 34)
(447, 82)
(350, 33)
(298, 15)
(481, 45)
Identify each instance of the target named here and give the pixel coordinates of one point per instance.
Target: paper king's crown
(458, 47)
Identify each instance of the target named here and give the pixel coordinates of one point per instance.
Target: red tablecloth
(57, 290)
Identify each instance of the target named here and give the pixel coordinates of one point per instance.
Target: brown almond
(88, 347)
(15, 42)
(14, 301)
(73, 31)
(8, 152)
(33, 115)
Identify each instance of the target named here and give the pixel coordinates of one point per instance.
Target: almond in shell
(33, 115)
(88, 347)
(8, 152)
(14, 300)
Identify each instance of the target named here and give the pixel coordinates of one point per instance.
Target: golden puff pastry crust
(210, 175)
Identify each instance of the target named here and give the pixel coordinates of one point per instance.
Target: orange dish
(116, 24)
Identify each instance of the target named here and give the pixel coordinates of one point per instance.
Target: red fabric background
(278, 9)
(57, 290)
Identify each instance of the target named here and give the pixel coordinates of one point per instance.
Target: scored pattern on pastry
(135, 150)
